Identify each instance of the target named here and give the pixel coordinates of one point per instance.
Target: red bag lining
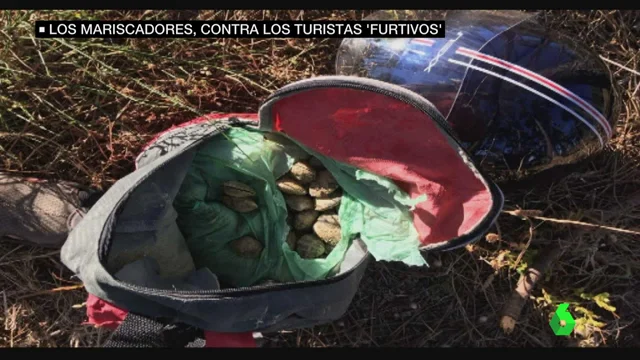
(391, 138)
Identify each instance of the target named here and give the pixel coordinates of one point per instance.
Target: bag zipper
(242, 291)
(425, 107)
(315, 84)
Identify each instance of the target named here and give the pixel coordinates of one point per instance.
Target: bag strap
(137, 331)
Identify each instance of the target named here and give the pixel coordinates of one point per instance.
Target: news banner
(238, 29)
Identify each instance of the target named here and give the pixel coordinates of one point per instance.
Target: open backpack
(153, 252)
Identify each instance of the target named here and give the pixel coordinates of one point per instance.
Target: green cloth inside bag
(372, 207)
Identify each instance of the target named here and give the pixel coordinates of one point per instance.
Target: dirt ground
(80, 110)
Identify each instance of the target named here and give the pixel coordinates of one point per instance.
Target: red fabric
(229, 340)
(388, 137)
(104, 314)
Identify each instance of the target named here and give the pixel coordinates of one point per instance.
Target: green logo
(562, 323)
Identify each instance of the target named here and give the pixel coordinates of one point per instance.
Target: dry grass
(81, 109)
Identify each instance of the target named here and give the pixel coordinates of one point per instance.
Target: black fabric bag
(346, 119)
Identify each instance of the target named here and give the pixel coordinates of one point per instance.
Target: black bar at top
(239, 29)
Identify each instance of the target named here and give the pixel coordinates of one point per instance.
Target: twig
(513, 307)
(526, 283)
(27, 258)
(51, 291)
(572, 222)
(625, 68)
(620, 65)
(5, 305)
(526, 246)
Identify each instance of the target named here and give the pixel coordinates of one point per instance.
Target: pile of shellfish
(312, 197)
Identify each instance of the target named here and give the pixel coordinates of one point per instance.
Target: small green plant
(507, 258)
(586, 320)
(602, 300)
(589, 323)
